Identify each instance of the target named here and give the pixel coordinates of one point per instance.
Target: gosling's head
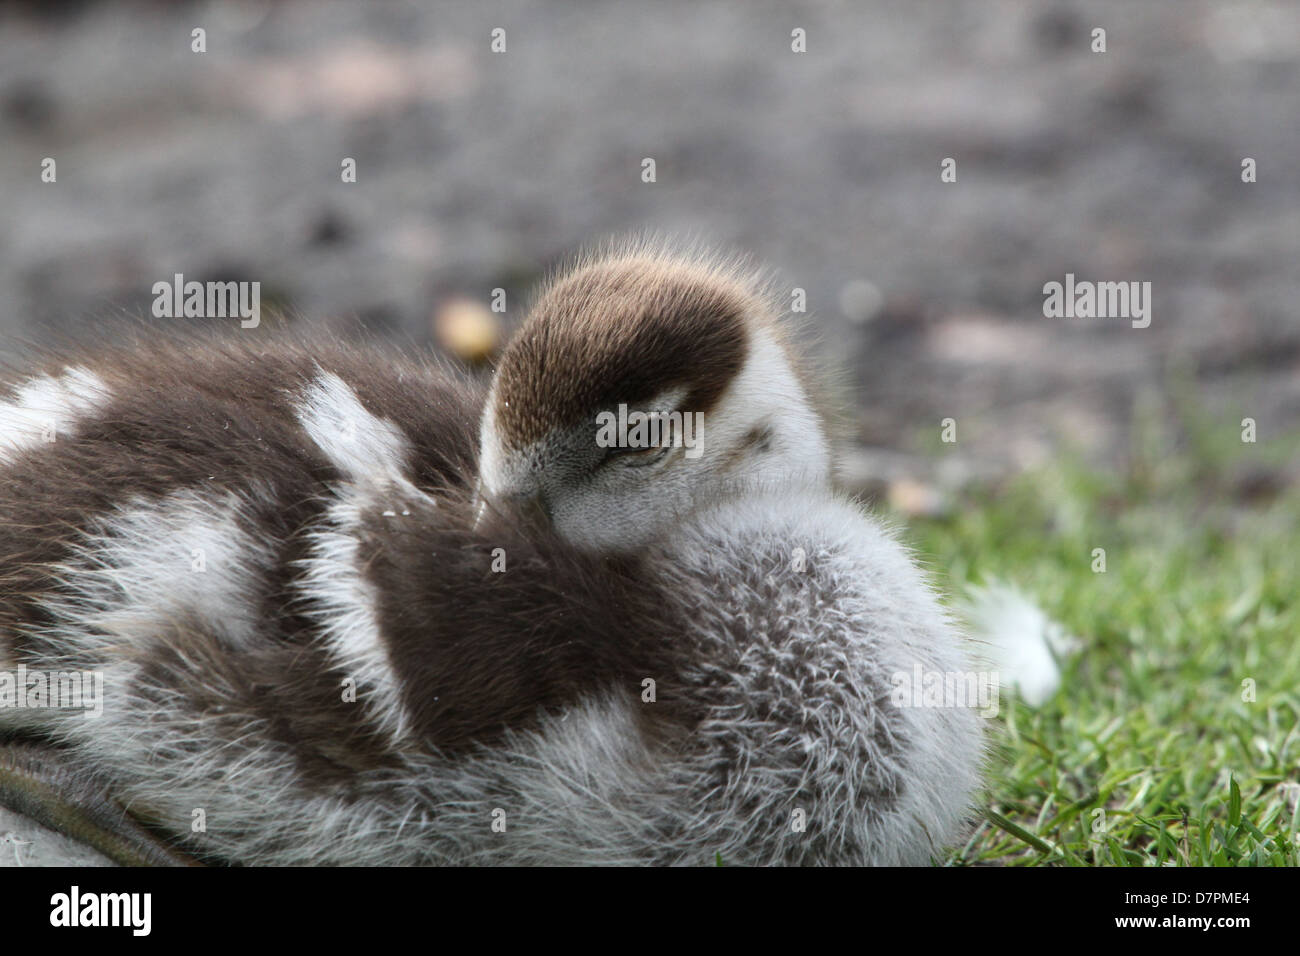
(641, 384)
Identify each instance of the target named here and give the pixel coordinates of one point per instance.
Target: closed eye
(640, 457)
(634, 457)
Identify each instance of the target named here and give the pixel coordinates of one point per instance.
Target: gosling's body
(321, 627)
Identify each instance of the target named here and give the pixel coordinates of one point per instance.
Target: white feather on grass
(1024, 645)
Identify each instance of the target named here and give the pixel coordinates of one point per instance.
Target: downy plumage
(324, 621)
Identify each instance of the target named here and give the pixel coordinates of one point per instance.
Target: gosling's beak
(531, 506)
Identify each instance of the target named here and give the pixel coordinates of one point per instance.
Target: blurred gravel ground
(479, 170)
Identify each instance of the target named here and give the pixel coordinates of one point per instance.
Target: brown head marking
(622, 330)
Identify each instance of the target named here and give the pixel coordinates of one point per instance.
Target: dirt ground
(479, 170)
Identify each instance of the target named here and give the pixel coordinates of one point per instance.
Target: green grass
(1152, 725)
